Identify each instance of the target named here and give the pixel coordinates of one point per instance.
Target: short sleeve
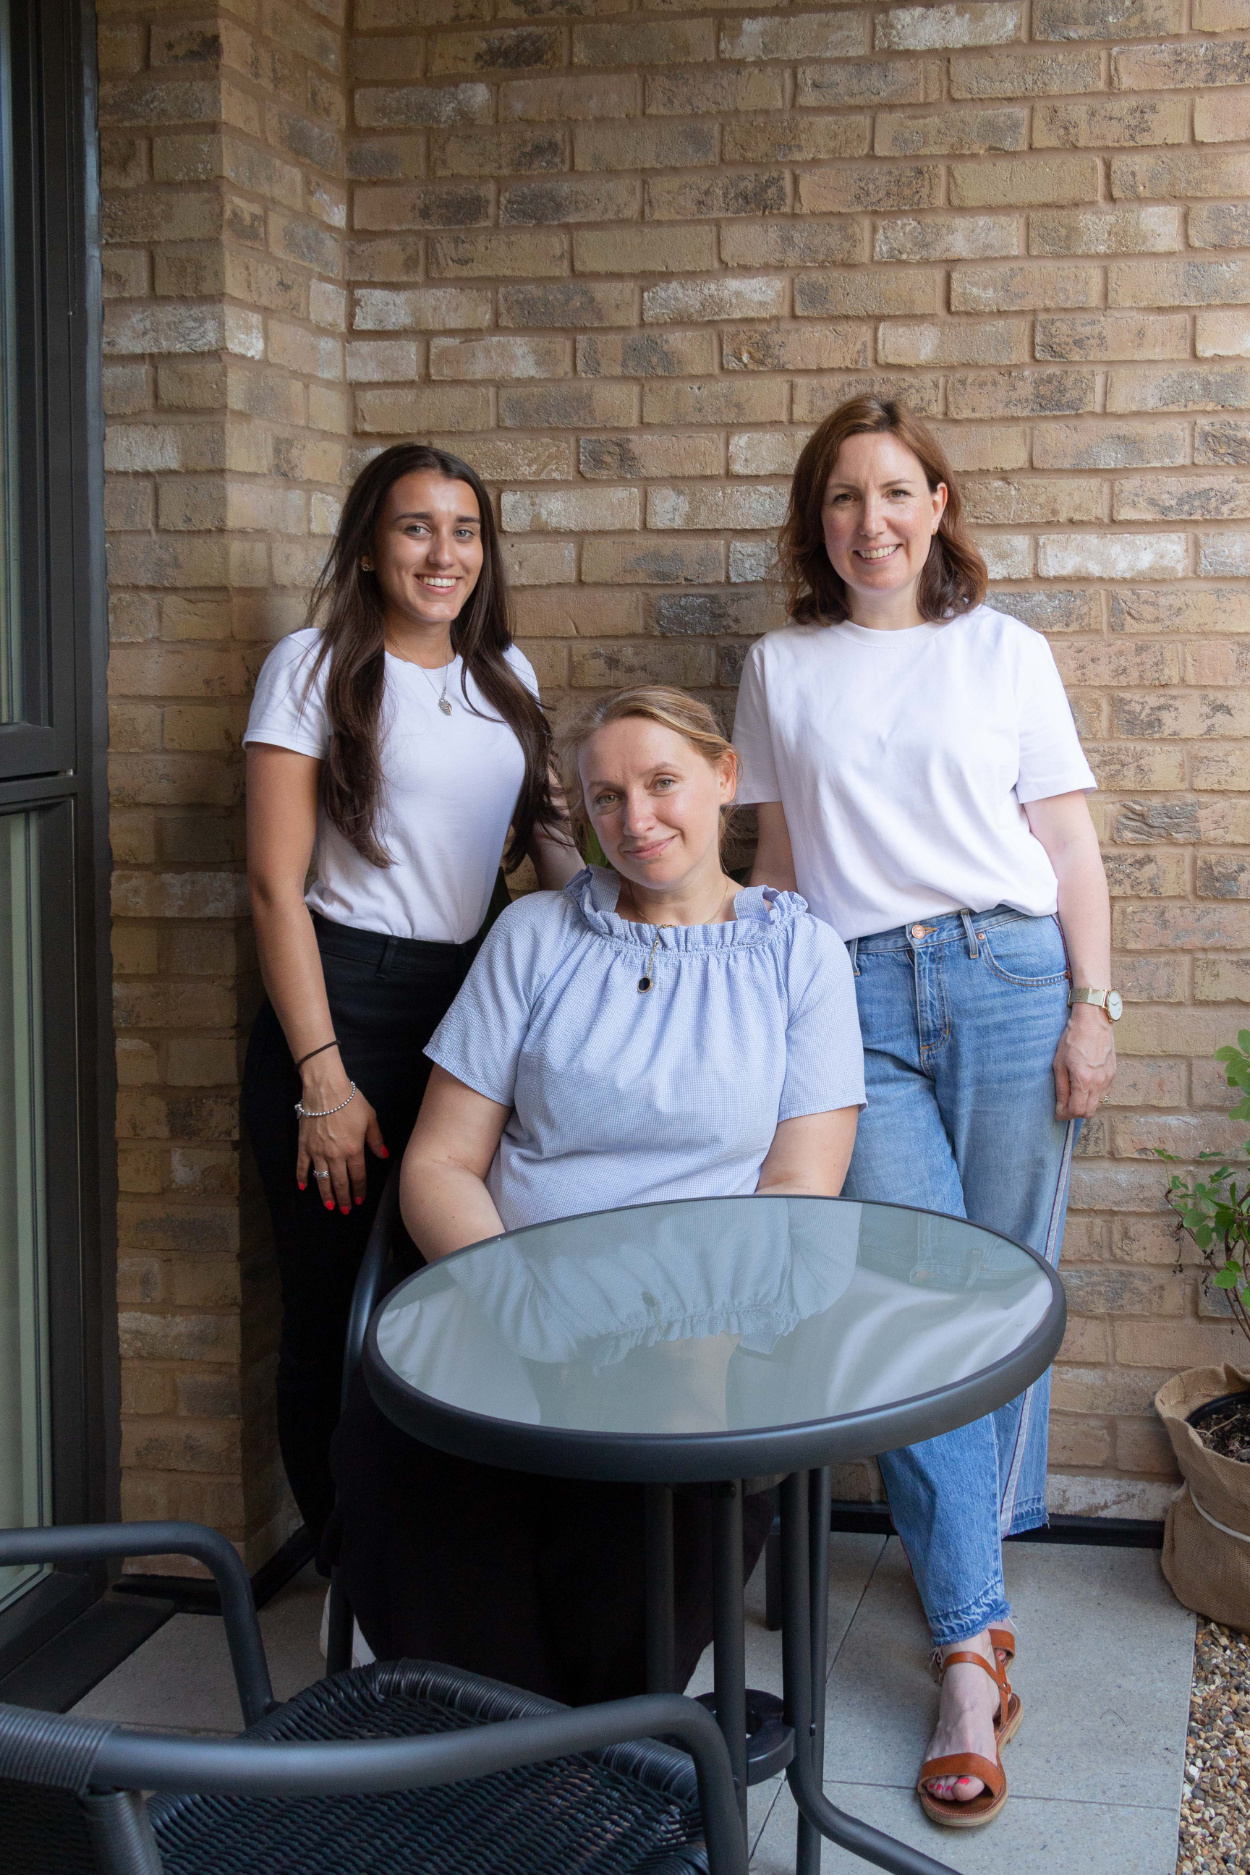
(286, 709)
(479, 1040)
(824, 1054)
(1051, 758)
(752, 736)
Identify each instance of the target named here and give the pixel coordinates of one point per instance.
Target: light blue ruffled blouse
(624, 1098)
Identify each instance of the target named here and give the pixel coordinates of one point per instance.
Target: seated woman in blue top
(654, 1031)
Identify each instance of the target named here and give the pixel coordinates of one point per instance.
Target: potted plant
(1206, 1544)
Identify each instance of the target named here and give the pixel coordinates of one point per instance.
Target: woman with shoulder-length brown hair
(919, 780)
(391, 744)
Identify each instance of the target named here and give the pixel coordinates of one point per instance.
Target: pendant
(444, 706)
(644, 984)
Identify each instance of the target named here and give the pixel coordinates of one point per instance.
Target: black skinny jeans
(387, 996)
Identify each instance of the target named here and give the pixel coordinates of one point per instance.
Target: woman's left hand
(1084, 1063)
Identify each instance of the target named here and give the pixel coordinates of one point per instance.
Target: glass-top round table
(715, 1341)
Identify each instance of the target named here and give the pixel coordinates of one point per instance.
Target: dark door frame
(56, 763)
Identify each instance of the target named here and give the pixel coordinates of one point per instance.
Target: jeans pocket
(1028, 952)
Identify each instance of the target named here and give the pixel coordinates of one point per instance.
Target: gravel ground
(1215, 1809)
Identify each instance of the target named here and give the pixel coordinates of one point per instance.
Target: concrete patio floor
(1095, 1772)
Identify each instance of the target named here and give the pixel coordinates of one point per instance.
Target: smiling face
(654, 801)
(879, 516)
(427, 553)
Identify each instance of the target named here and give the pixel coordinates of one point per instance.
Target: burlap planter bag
(1206, 1541)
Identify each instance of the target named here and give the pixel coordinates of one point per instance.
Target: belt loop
(852, 945)
(388, 953)
(970, 934)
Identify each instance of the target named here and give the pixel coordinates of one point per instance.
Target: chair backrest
(369, 1277)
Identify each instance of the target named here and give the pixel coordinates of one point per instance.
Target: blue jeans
(960, 1018)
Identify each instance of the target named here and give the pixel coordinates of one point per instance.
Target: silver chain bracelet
(306, 1113)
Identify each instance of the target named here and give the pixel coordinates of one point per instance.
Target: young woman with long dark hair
(391, 744)
(920, 781)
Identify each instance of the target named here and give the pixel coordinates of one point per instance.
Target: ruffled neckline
(760, 915)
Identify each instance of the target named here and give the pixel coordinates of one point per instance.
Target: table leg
(806, 1773)
(660, 1591)
(820, 1494)
(729, 1634)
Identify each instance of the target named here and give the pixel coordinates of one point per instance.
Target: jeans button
(919, 931)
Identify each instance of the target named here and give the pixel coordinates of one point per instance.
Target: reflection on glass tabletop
(714, 1315)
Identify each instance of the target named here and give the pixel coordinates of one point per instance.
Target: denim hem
(1031, 1515)
(961, 1624)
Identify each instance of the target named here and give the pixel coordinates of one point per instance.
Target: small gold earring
(366, 566)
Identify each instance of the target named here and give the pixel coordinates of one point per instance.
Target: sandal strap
(965, 1764)
(997, 1672)
(1003, 1641)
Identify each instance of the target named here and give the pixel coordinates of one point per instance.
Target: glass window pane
(11, 699)
(24, 1475)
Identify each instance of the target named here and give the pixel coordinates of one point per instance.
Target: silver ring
(321, 1175)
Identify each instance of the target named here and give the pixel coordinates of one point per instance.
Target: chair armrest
(98, 1542)
(255, 1768)
(369, 1278)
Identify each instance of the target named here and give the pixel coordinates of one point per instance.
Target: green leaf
(1224, 1281)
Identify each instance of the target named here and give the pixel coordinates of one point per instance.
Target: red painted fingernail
(360, 1201)
(303, 1188)
(384, 1153)
(329, 1206)
(346, 1208)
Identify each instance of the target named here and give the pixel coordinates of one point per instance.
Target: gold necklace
(443, 704)
(646, 981)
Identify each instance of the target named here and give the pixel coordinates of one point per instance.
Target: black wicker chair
(398, 1768)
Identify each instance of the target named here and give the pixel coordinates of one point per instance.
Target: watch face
(1115, 1006)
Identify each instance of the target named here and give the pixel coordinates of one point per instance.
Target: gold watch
(1106, 1000)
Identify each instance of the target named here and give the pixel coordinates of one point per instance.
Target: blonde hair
(653, 703)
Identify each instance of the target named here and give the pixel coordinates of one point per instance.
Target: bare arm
(556, 859)
(442, 1183)
(809, 1155)
(281, 829)
(1085, 1058)
(774, 861)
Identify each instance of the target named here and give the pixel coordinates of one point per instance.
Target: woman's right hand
(336, 1144)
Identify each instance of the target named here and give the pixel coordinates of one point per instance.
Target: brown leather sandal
(1003, 1641)
(949, 1811)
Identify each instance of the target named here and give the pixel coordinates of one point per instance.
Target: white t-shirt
(450, 784)
(902, 759)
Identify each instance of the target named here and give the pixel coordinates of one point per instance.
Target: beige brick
(716, 400)
(569, 100)
(1178, 283)
(532, 203)
(609, 666)
(540, 562)
(1225, 555)
(1106, 231)
(1181, 498)
(876, 185)
(647, 355)
(811, 36)
(646, 42)
(1220, 16)
(966, 342)
(422, 205)
(1112, 556)
(1025, 74)
(935, 28)
(652, 563)
(504, 359)
(644, 250)
(688, 94)
(1035, 502)
(1186, 173)
(683, 302)
(397, 412)
(971, 446)
(951, 133)
(573, 303)
(698, 505)
(1109, 123)
(1221, 334)
(587, 612)
(791, 244)
(501, 254)
(503, 151)
(675, 454)
(507, 49)
(820, 347)
(1021, 393)
(1194, 387)
(729, 192)
(1222, 117)
(1112, 335)
(1188, 609)
(1040, 181)
(814, 398)
(947, 237)
(383, 361)
(1222, 439)
(569, 406)
(1174, 67)
(865, 293)
(765, 452)
(508, 458)
(1220, 224)
(867, 81)
(420, 309)
(1094, 444)
(1106, 19)
(570, 511)
(643, 145)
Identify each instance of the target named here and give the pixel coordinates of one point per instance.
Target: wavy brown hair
(953, 578)
(348, 603)
(654, 703)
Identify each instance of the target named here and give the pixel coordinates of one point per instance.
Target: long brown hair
(954, 576)
(655, 703)
(349, 604)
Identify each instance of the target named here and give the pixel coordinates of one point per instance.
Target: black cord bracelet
(317, 1051)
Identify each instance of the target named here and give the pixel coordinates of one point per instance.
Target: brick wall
(624, 256)
(224, 212)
